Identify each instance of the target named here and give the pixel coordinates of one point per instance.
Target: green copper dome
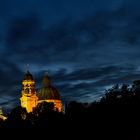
(48, 91)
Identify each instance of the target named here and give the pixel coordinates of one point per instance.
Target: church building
(30, 98)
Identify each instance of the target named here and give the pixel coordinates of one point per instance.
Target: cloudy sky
(85, 45)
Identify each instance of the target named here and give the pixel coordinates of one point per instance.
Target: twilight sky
(85, 45)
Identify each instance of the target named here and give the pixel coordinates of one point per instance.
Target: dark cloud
(10, 85)
(74, 39)
(21, 30)
(90, 84)
(92, 73)
(8, 73)
(86, 46)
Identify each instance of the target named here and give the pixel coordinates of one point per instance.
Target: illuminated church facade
(30, 98)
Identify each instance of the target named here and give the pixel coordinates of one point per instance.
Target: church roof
(48, 91)
(28, 76)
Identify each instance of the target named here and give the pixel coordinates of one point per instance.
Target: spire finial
(46, 72)
(27, 67)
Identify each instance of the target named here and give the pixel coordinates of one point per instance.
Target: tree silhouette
(117, 114)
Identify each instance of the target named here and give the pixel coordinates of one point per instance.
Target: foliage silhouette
(116, 114)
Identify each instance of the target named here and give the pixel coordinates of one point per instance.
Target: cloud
(84, 53)
(21, 30)
(10, 84)
(90, 84)
(105, 34)
(92, 73)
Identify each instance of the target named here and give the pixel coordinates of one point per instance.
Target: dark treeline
(115, 116)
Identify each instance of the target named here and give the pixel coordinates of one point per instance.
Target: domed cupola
(49, 93)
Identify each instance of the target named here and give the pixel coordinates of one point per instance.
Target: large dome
(28, 76)
(48, 91)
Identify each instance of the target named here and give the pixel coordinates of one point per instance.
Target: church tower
(29, 100)
(49, 94)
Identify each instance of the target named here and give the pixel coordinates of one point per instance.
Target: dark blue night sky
(85, 45)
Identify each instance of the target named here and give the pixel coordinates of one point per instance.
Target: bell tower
(29, 100)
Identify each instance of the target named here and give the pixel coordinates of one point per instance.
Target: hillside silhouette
(115, 116)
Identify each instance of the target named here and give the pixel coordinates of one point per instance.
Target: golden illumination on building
(1, 115)
(57, 104)
(29, 100)
(49, 94)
